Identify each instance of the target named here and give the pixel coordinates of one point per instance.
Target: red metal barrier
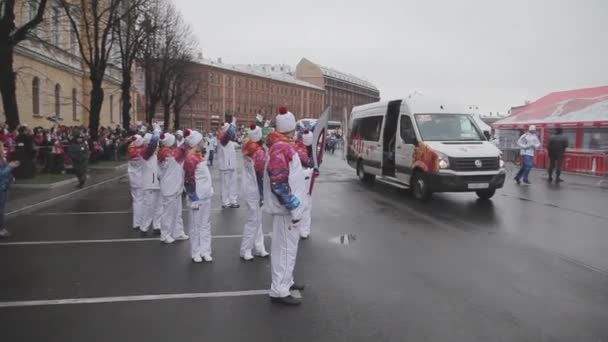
(589, 163)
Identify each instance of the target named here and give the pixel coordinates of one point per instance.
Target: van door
(370, 129)
(406, 146)
(389, 138)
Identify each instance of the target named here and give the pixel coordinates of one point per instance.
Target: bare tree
(93, 22)
(186, 87)
(10, 36)
(130, 34)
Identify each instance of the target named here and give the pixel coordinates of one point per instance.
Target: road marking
(140, 298)
(118, 212)
(73, 242)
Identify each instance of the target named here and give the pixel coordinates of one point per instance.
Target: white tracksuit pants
(253, 236)
(283, 252)
(137, 194)
(171, 220)
(229, 187)
(152, 209)
(304, 224)
(200, 229)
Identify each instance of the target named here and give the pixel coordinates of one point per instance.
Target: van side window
(355, 129)
(370, 128)
(407, 130)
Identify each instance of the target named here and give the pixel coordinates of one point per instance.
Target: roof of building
(346, 77)
(579, 105)
(256, 71)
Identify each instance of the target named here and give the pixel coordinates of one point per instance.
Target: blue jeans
(524, 171)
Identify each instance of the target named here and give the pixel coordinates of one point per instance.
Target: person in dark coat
(25, 154)
(78, 151)
(556, 148)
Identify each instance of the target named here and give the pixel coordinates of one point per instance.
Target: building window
(73, 41)
(112, 108)
(57, 100)
(55, 26)
(595, 139)
(36, 96)
(74, 105)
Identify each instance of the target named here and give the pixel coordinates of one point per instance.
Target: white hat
(167, 139)
(143, 129)
(179, 132)
(193, 137)
(137, 140)
(307, 138)
(255, 133)
(147, 138)
(532, 128)
(285, 121)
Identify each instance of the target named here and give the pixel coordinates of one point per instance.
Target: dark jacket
(557, 146)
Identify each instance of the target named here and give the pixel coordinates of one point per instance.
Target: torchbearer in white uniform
(152, 202)
(226, 161)
(197, 181)
(136, 153)
(304, 149)
(284, 193)
(179, 138)
(254, 161)
(171, 175)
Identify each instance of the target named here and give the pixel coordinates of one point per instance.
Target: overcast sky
(491, 53)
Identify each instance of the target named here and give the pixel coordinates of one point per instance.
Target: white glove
(195, 205)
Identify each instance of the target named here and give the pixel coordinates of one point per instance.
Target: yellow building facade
(52, 80)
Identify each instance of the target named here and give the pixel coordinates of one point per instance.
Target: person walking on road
(556, 148)
(6, 176)
(171, 176)
(226, 160)
(254, 160)
(135, 170)
(528, 143)
(303, 146)
(78, 151)
(211, 147)
(284, 193)
(152, 199)
(197, 182)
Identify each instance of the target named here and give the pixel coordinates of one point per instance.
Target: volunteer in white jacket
(528, 143)
(226, 161)
(254, 160)
(171, 175)
(284, 190)
(137, 153)
(197, 182)
(307, 140)
(152, 206)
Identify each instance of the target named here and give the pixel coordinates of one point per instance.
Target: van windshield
(448, 127)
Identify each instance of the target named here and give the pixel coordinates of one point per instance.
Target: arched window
(57, 100)
(36, 96)
(74, 104)
(112, 108)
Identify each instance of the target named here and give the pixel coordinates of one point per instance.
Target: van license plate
(479, 186)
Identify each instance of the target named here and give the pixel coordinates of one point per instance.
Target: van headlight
(443, 161)
(501, 162)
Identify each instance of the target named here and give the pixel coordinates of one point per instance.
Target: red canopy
(570, 107)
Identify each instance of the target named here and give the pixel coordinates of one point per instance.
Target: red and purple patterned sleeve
(190, 165)
(259, 163)
(151, 148)
(228, 135)
(278, 171)
(303, 154)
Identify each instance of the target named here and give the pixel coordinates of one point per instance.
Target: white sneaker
(262, 254)
(207, 258)
(4, 233)
(181, 237)
(247, 256)
(197, 259)
(167, 239)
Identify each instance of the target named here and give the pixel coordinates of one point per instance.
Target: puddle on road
(345, 239)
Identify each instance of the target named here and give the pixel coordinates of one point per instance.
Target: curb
(45, 186)
(32, 207)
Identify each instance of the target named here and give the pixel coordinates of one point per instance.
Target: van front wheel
(420, 187)
(364, 177)
(485, 194)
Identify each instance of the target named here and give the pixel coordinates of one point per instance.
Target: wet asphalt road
(531, 265)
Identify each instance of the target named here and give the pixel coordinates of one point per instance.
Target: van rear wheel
(420, 187)
(363, 176)
(485, 194)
